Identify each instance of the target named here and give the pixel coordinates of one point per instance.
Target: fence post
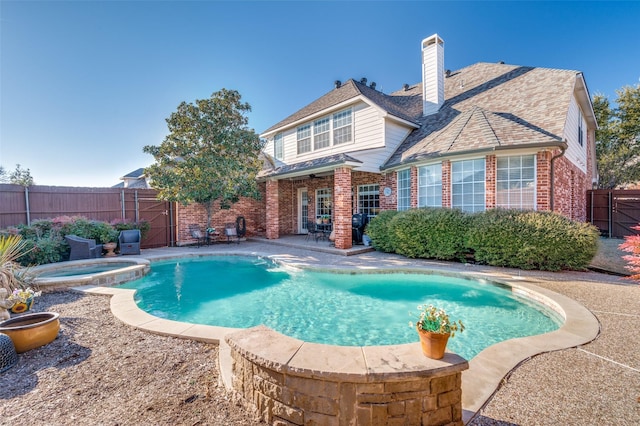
(26, 201)
(137, 207)
(124, 213)
(610, 214)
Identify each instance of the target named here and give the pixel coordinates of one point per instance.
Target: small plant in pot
(434, 328)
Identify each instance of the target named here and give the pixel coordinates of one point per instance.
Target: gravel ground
(102, 372)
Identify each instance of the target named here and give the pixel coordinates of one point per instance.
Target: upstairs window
(321, 133)
(278, 148)
(342, 129)
(404, 190)
(324, 132)
(304, 139)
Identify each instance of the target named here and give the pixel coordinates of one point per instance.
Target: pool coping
(138, 267)
(486, 370)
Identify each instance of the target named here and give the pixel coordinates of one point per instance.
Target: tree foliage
(209, 154)
(19, 176)
(618, 138)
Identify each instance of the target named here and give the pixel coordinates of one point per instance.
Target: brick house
(488, 135)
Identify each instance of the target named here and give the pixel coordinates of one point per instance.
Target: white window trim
(399, 190)
(421, 188)
(535, 180)
(332, 128)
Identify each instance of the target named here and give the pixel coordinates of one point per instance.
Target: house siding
(576, 153)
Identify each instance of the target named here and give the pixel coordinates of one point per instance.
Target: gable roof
(405, 106)
(492, 106)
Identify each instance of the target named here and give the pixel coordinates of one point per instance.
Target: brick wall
(252, 210)
(287, 385)
(490, 181)
(342, 209)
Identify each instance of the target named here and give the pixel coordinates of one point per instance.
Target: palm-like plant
(12, 275)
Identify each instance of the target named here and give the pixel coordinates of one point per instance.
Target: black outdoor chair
(129, 241)
(313, 231)
(197, 234)
(231, 232)
(83, 248)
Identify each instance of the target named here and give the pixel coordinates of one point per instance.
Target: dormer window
(278, 147)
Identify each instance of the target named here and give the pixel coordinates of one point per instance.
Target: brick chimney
(432, 74)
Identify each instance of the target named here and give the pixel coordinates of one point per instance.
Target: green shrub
(80, 226)
(380, 233)
(44, 250)
(432, 233)
(531, 240)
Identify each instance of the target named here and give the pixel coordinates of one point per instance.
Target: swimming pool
(332, 308)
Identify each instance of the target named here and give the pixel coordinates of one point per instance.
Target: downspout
(552, 171)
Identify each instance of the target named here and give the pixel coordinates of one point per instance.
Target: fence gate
(614, 212)
(161, 216)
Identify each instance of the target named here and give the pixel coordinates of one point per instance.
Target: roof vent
(501, 62)
(373, 85)
(447, 73)
(406, 87)
(363, 80)
(337, 83)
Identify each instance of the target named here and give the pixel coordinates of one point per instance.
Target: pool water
(334, 308)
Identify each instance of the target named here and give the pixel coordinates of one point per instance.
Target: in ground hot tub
(98, 272)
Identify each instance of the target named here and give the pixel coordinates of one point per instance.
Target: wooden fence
(20, 205)
(614, 211)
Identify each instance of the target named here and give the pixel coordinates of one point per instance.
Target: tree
(618, 138)
(209, 155)
(18, 177)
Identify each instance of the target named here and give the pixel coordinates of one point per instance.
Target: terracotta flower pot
(31, 331)
(433, 344)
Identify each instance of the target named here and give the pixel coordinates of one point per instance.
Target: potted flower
(434, 328)
(22, 299)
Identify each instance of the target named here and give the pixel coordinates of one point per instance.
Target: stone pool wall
(291, 382)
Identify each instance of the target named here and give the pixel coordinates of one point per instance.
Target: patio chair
(129, 241)
(231, 232)
(313, 231)
(83, 248)
(197, 234)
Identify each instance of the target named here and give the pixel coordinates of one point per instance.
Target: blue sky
(84, 85)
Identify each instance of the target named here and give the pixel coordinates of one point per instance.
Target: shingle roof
(402, 105)
(307, 165)
(492, 105)
(134, 174)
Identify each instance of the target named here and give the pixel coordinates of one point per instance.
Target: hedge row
(511, 238)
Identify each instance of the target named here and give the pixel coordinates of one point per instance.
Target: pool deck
(589, 370)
